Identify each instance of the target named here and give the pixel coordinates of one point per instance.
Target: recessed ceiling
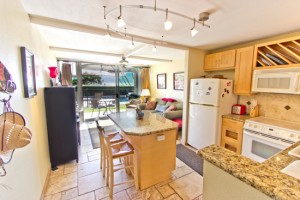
(231, 21)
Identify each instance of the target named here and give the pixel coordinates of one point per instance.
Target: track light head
(194, 32)
(121, 22)
(168, 23)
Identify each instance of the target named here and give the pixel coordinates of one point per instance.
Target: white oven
(260, 147)
(262, 140)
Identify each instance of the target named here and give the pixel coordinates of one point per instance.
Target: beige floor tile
(90, 182)
(149, 193)
(71, 163)
(88, 196)
(118, 196)
(104, 192)
(94, 157)
(166, 190)
(56, 196)
(198, 198)
(166, 181)
(85, 148)
(70, 169)
(92, 153)
(82, 158)
(182, 171)
(189, 186)
(58, 172)
(88, 168)
(179, 163)
(61, 183)
(69, 194)
(173, 197)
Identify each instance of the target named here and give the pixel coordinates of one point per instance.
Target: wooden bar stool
(124, 152)
(114, 137)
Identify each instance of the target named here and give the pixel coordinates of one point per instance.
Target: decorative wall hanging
(6, 83)
(28, 69)
(178, 81)
(161, 81)
(13, 134)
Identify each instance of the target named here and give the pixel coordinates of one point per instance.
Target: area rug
(190, 158)
(94, 134)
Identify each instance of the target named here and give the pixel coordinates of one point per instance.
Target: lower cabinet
(232, 135)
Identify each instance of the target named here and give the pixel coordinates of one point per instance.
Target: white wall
(27, 171)
(176, 65)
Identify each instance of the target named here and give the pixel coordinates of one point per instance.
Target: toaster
(238, 109)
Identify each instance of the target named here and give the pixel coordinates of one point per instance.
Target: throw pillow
(150, 105)
(160, 101)
(179, 105)
(171, 107)
(161, 108)
(168, 99)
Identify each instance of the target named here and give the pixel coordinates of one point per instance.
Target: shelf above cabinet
(277, 54)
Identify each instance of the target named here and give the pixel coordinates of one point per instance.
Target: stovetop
(277, 128)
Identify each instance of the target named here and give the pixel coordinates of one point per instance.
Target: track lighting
(121, 22)
(168, 24)
(107, 36)
(131, 46)
(193, 30)
(154, 47)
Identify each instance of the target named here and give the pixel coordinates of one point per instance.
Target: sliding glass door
(106, 89)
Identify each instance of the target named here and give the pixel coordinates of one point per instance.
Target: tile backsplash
(277, 106)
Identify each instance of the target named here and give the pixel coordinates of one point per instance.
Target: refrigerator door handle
(203, 104)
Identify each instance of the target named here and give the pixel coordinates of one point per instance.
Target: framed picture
(178, 81)
(28, 70)
(161, 81)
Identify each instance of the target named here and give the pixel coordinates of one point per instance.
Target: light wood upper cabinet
(220, 61)
(243, 71)
(227, 59)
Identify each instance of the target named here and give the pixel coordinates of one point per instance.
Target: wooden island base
(156, 159)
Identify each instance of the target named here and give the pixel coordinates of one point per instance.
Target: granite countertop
(241, 118)
(265, 177)
(151, 123)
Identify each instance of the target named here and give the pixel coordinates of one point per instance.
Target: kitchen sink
(293, 169)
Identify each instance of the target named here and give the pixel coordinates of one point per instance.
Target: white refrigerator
(210, 98)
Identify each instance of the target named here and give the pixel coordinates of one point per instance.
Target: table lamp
(145, 93)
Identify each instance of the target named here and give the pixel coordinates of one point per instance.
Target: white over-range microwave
(277, 81)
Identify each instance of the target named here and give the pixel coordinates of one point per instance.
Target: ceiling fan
(123, 61)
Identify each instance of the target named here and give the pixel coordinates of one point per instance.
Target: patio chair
(98, 95)
(96, 105)
(111, 105)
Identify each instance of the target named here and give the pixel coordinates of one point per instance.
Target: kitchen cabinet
(278, 54)
(243, 71)
(220, 61)
(232, 135)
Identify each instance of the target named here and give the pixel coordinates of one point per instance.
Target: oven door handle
(277, 141)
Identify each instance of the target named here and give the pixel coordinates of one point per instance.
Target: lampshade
(145, 93)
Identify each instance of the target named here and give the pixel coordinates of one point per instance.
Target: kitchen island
(154, 140)
(232, 176)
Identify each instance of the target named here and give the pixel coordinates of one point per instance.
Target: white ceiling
(231, 21)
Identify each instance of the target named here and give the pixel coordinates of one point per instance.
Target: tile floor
(84, 181)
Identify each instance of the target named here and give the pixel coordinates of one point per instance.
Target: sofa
(168, 107)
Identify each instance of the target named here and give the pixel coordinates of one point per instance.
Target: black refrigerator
(61, 124)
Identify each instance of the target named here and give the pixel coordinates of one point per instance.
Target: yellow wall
(26, 173)
(168, 68)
